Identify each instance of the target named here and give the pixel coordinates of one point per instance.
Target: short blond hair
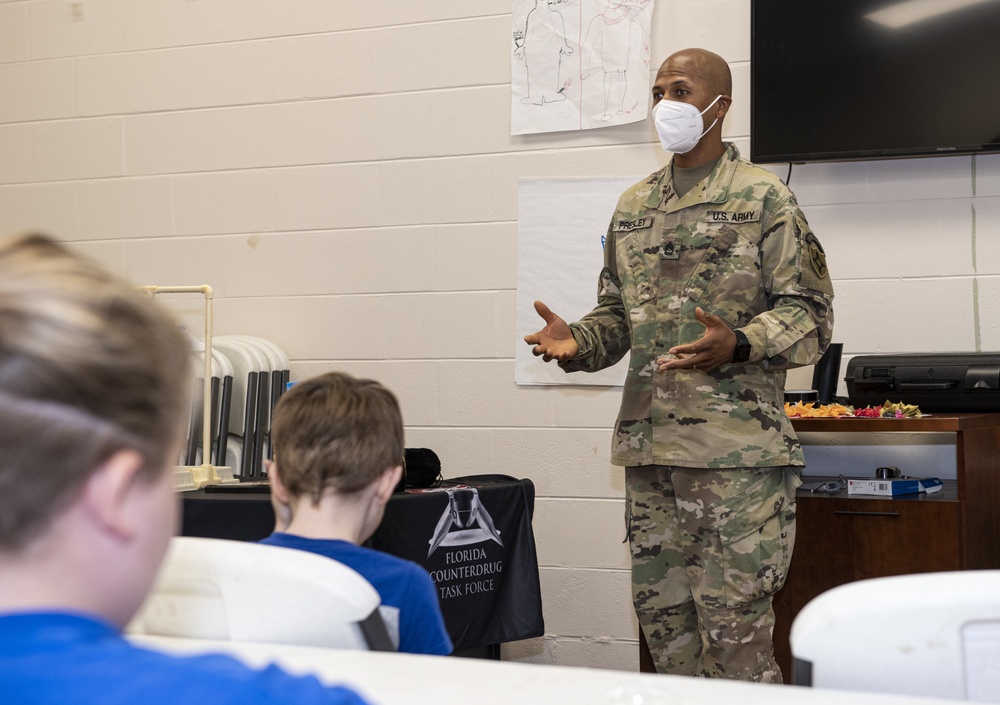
(88, 366)
(336, 432)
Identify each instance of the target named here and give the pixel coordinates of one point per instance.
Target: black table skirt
(472, 534)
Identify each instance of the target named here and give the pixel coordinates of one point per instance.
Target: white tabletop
(398, 679)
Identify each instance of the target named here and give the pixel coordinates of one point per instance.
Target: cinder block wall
(343, 175)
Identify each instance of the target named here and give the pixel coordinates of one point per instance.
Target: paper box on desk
(892, 488)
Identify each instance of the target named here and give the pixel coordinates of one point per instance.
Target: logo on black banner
(464, 521)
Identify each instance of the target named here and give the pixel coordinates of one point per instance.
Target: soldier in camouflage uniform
(707, 249)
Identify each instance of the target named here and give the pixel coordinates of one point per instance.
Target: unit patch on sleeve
(818, 260)
(734, 217)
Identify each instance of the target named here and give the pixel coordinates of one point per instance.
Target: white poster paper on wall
(561, 224)
(579, 64)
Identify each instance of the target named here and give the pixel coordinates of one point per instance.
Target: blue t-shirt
(72, 659)
(405, 588)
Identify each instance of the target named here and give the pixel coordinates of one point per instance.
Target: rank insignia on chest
(669, 250)
(625, 226)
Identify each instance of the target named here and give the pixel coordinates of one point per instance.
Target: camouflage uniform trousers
(710, 547)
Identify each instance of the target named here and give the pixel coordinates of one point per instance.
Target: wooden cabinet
(841, 538)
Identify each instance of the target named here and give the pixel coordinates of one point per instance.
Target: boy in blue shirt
(93, 394)
(338, 446)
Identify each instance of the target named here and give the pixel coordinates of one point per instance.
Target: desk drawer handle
(849, 513)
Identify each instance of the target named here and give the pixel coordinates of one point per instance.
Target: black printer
(932, 381)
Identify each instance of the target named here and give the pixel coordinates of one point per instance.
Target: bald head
(709, 69)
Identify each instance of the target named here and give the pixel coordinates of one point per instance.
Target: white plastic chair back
(269, 364)
(243, 363)
(276, 357)
(237, 591)
(221, 365)
(246, 406)
(931, 634)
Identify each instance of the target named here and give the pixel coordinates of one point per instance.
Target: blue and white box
(893, 488)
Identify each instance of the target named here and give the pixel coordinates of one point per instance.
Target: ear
(280, 502)
(387, 482)
(722, 107)
(108, 491)
(278, 488)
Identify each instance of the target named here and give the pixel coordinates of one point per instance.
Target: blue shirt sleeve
(421, 626)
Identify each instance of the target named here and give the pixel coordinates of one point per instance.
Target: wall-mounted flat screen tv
(873, 79)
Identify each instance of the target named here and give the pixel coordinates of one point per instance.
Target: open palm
(555, 341)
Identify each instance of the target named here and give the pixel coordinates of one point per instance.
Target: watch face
(741, 353)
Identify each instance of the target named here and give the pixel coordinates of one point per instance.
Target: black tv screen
(871, 79)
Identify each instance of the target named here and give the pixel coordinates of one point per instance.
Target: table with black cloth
(472, 534)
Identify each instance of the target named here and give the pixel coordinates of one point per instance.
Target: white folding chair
(237, 591)
(930, 634)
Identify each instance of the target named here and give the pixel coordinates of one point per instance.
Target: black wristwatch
(742, 351)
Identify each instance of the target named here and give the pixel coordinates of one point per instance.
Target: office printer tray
(933, 381)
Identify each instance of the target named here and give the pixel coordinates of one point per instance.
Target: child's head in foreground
(336, 434)
(93, 390)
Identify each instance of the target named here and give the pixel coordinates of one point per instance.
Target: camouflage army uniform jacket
(738, 246)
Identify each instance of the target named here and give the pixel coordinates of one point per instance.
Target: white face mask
(679, 125)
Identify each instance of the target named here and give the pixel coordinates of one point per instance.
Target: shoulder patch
(813, 271)
(817, 258)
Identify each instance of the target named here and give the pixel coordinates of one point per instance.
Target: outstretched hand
(713, 349)
(555, 341)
